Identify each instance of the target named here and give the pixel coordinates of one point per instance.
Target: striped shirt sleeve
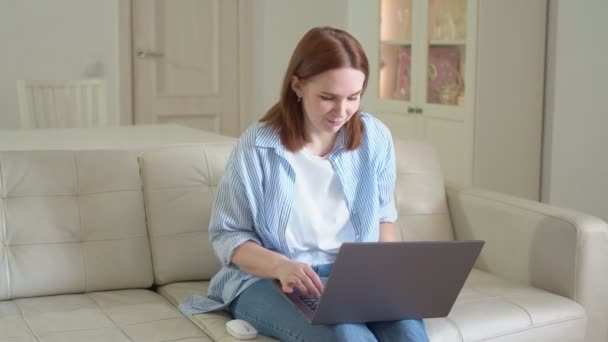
(231, 218)
(386, 181)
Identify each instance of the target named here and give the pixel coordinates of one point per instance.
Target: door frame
(125, 69)
(247, 13)
(249, 23)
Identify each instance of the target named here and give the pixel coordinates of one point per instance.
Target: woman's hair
(321, 49)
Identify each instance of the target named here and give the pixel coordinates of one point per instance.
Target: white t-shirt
(319, 221)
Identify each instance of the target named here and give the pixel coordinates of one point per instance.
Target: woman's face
(329, 99)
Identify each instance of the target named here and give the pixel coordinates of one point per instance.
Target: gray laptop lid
(395, 280)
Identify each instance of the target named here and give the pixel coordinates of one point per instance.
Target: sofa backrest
(71, 222)
(180, 184)
(420, 193)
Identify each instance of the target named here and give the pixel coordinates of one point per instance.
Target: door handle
(149, 54)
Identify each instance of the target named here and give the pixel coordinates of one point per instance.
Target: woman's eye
(331, 98)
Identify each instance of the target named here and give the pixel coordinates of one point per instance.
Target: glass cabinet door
(395, 50)
(446, 27)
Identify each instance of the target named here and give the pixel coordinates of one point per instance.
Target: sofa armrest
(559, 250)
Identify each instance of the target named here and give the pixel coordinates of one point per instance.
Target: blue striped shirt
(255, 197)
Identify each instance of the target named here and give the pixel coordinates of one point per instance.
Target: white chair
(63, 104)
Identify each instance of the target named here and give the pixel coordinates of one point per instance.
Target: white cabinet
(465, 75)
(423, 50)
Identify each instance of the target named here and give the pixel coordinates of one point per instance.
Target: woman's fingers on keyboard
(311, 288)
(315, 286)
(293, 274)
(302, 286)
(316, 282)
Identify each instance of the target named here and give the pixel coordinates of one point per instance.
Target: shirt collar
(267, 137)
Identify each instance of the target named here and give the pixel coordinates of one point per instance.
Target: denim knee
(408, 330)
(348, 332)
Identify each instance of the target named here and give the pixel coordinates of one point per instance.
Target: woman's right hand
(298, 274)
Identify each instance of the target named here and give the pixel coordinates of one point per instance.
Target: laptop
(387, 281)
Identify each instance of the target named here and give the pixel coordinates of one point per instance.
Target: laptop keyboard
(311, 302)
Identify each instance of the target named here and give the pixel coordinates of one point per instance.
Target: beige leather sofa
(103, 245)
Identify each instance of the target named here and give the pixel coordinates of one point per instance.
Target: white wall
(279, 25)
(62, 39)
(575, 165)
(58, 39)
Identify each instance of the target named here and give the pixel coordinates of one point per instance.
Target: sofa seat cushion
(487, 309)
(121, 316)
(492, 309)
(212, 323)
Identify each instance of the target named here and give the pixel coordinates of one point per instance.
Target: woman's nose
(340, 107)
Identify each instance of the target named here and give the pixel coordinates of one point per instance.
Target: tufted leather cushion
(487, 309)
(111, 316)
(420, 193)
(212, 323)
(179, 189)
(180, 185)
(71, 222)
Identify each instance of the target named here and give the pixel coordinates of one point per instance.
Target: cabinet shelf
(396, 42)
(447, 42)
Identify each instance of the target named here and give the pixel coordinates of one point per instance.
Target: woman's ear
(296, 85)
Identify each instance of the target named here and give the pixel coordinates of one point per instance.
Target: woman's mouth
(335, 122)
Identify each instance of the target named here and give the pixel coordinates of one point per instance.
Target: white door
(186, 63)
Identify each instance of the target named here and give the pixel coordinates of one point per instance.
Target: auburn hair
(320, 49)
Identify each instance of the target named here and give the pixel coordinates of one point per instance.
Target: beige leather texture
(112, 316)
(134, 138)
(558, 250)
(179, 188)
(213, 323)
(490, 308)
(72, 222)
(487, 309)
(420, 193)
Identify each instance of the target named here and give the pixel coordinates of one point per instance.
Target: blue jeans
(272, 315)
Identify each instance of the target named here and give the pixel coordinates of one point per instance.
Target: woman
(313, 173)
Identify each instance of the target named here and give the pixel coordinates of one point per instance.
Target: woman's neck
(321, 144)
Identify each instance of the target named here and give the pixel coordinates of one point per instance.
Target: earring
(299, 99)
